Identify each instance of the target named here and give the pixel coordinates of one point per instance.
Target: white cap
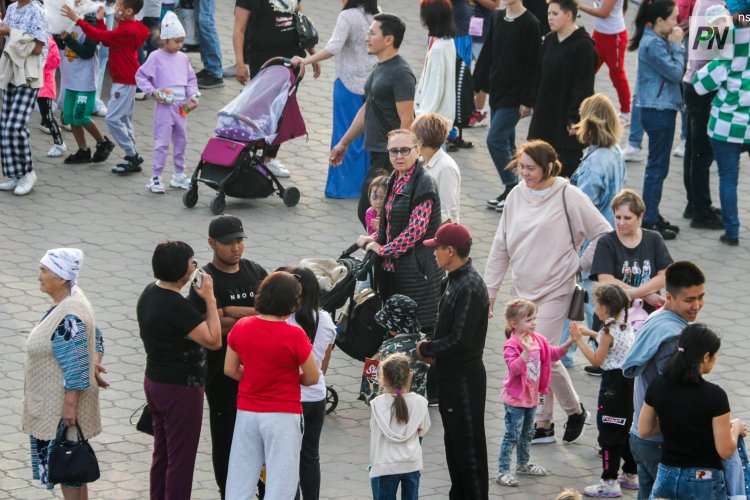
(171, 27)
(716, 12)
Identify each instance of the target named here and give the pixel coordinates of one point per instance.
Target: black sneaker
(665, 224)
(499, 202)
(575, 426)
(103, 150)
(190, 47)
(665, 233)
(80, 156)
(543, 436)
(711, 221)
(593, 371)
(131, 165)
(732, 242)
(688, 212)
(210, 82)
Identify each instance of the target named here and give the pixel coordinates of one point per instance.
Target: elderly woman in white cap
(63, 352)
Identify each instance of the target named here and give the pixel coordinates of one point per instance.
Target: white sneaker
(631, 153)
(9, 185)
(57, 150)
(45, 129)
(25, 184)
(155, 186)
(140, 95)
(181, 181)
(101, 111)
(679, 151)
(277, 168)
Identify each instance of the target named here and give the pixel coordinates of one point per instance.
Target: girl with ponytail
(398, 422)
(615, 404)
(693, 416)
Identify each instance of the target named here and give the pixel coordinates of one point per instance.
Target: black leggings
(48, 118)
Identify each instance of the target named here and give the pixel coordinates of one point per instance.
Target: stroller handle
(299, 71)
(349, 251)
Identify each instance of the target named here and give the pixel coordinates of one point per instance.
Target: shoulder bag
(307, 35)
(580, 295)
(72, 461)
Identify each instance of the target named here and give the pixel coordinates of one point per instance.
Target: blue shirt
(661, 66)
(601, 175)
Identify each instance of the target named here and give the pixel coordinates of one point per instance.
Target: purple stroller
(265, 114)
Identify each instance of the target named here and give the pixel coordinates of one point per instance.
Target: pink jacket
(49, 89)
(516, 379)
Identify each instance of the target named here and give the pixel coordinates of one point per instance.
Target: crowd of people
(257, 345)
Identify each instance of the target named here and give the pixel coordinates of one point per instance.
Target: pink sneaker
(628, 481)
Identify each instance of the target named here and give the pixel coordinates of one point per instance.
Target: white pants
(273, 439)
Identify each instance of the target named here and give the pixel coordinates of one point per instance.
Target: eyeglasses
(372, 34)
(394, 152)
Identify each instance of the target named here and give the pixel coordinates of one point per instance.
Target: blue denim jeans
(519, 429)
(647, 455)
(501, 141)
(689, 483)
(659, 125)
(209, 39)
(635, 138)
(727, 155)
(385, 487)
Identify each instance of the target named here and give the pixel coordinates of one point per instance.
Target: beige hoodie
(534, 239)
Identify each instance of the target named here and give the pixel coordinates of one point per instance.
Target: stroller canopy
(254, 114)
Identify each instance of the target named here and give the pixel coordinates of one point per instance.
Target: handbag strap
(64, 427)
(570, 228)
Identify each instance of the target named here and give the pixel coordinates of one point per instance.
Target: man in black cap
(456, 350)
(235, 282)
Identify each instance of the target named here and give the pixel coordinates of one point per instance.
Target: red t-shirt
(271, 353)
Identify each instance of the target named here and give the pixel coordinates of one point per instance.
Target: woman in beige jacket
(534, 240)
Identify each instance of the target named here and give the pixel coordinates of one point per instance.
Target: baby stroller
(265, 114)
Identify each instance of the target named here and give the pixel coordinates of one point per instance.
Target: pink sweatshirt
(49, 89)
(516, 379)
(534, 241)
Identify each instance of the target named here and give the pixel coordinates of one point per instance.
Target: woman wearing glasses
(410, 215)
(174, 335)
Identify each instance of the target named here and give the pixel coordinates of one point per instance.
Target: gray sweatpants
(273, 439)
(120, 110)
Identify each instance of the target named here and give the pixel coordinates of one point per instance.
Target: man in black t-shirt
(235, 282)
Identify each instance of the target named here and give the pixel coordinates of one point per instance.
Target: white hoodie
(395, 447)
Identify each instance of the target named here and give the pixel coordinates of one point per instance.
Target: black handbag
(145, 422)
(580, 295)
(72, 461)
(307, 35)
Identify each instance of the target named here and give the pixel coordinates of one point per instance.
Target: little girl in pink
(46, 95)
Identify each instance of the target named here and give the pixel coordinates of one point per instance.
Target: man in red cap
(456, 350)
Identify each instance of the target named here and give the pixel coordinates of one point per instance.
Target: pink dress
(49, 90)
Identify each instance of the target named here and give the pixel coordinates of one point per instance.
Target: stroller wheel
(218, 204)
(290, 196)
(332, 399)
(190, 198)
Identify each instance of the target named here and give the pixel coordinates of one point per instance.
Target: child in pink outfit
(46, 95)
(529, 357)
(376, 192)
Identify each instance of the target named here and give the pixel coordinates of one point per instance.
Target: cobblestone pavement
(117, 222)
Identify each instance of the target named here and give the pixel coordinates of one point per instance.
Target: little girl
(529, 357)
(169, 78)
(376, 194)
(615, 392)
(399, 419)
(44, 99)
(661, 66)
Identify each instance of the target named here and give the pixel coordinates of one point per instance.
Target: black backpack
(464, 94)
(359, 336)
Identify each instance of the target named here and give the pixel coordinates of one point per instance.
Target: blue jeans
(635, 138)
(727, 155)
(659, 125)
(519, 429)
(647, 455)
(385, 487)
(689, 483)
(209, 38)
(501, 141)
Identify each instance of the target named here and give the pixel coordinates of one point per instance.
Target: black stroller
(265, 114)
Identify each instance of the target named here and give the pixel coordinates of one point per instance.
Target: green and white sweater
(730, 109)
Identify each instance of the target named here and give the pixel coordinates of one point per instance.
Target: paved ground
(117, 223)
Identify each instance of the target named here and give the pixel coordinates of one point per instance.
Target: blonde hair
(599, 124)
(403, 131)
(568, 494)
(631, 199)
(431, 130)
(516, 310)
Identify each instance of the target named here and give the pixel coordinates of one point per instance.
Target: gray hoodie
(395, 447)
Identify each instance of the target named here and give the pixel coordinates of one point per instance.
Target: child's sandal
(532, 470)
(506, 479)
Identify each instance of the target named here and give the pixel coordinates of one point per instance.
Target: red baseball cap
(451, 235)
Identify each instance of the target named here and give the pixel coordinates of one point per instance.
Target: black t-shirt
(461, 16)
(165, 319)
(685, 418)
(270, 32)
(389, 82)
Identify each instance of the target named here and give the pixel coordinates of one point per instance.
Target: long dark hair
(648, 12)
(370, 6)
(437, 17)
(695, 341)
(307, 314)
(615, 300)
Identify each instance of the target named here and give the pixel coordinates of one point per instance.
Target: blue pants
(647, 455)
(501, 141)
(636, 129)
(385, 487)
(689, 483)
(519, 429)
(659, 125)
(727, 156)
(209, 39)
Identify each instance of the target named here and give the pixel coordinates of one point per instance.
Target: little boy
(123, 42)
(79, 67)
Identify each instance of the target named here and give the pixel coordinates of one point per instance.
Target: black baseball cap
(225, 228)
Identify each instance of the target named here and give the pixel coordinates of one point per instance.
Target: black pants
(48, 119)
(570, 159)
(378, 161)
(462, 398)
(221, 393)
(309, 464)
(698, 152)
(613, 420)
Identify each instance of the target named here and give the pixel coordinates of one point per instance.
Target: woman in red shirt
(265, 354)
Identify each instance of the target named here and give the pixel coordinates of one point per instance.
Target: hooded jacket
(516, 379)
(394, 447)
